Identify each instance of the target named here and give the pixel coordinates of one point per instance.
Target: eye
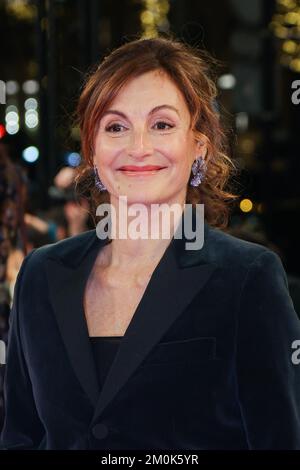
(113, 126)
(164, 123)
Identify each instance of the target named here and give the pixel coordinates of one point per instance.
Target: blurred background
(46, 48)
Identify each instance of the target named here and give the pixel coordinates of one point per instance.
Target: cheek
(181, 160)
(104, 156)
(181, 150)
(104, 144)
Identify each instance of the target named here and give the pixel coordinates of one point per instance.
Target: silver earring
(198, 170)
(98, 183)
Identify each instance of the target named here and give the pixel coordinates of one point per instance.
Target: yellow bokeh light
(246, 205)
(154, 17)
(295, 65)
(147, 17)
(285, 24)
(289, 46)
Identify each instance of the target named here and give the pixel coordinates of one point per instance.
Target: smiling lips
(140, 170)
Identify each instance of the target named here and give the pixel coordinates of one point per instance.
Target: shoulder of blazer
(228, 251)
(69, 251)
(220, 248)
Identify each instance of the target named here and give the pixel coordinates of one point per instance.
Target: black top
(104, 350)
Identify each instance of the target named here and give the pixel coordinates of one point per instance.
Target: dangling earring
(198, 170)
(98, 183)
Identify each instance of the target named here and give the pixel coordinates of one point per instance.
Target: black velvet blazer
(206, 362)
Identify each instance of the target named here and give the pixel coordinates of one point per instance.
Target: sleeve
(22, 427)
(268, 380)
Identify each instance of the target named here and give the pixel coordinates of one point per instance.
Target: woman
(141, 343)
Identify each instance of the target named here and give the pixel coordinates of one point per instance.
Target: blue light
(73, 159)
(30, 154)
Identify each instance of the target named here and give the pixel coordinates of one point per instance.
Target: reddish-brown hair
(191, 70)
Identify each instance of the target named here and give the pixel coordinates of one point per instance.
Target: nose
(140, 144)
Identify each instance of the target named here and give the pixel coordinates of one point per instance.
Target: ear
(202, 147)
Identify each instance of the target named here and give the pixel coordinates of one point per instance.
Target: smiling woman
(136, 343)
(158, 136)
(153, 102)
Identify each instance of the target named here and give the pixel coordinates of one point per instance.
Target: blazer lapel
(177, 278)
(171, 288)
(67, 277)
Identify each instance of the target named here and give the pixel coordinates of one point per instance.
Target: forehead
(149, 90)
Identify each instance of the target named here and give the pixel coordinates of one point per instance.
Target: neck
(141, 252)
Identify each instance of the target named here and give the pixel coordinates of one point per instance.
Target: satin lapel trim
(169, 291)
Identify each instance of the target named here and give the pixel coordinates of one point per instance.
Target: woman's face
(147, 124)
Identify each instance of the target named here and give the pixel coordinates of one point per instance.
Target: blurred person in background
(76, 209)
(68, 216)
(13, 191)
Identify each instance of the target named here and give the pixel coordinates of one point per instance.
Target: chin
(145, 199)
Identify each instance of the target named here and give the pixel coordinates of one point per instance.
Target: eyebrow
(157, 108)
